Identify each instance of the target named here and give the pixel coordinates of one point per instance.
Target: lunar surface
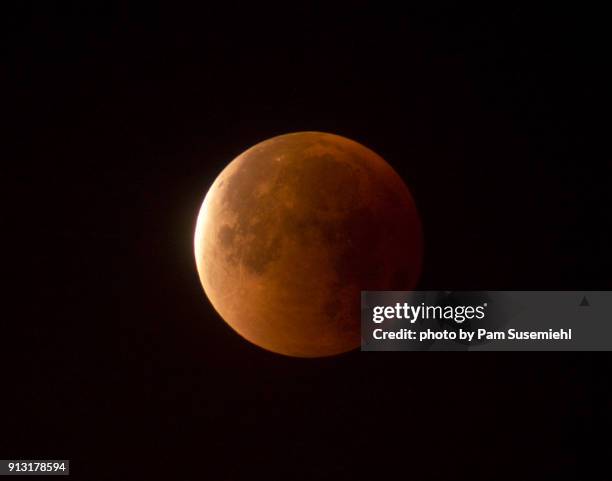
(293, 229)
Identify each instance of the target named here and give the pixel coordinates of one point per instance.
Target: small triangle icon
(584, 302)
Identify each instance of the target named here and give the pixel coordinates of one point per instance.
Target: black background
(123, 116)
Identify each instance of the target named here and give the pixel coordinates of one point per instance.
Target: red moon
(293, 229)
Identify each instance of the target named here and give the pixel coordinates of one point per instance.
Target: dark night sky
(124, 115)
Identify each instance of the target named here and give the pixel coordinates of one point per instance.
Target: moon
(293, 229)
